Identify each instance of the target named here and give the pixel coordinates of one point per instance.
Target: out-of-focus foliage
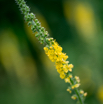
(26, 74)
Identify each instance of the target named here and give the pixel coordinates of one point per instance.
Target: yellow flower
(62, 75)
(70, 69)
(77, 79)
(76, 85)
(65, 68)
(70, 76)
(85, 94)
(70, 66)
(81, 91)
(72, 87)
(67, 80)
(55, 54)
(69, 90)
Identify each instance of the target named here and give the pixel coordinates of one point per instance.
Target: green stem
(77, 93)
(80, 99)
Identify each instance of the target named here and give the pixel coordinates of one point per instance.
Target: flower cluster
(54, 52)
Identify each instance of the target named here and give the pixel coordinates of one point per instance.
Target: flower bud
(41, 33)
(41, 38)
(32, 16)
(38, 23)
(27, 9)
(27, 17)
(37, 35)
(85, 94)
(69, 90)
(39, 28)
(42, 29)
(36, 20)
(74, 97)
(33, 28)
(29, 23)
(46, 33)
(81, 91)
(70, 76)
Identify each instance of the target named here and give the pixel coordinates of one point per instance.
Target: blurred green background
(26, 74)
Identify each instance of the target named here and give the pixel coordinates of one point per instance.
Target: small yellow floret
(71, 66)
(59, 48)
(70, 76)
(85, 94)
(62, 75)
(45, 48)
(65, 68)
(72, 87)
(48, 39)
(67, 80)
(70, 69)
(81, 91)
(51, 47)
(69, 90)
(74, 97)
(76, 85)
(77, 79)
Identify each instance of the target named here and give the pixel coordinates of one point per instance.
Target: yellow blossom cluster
(55, 54)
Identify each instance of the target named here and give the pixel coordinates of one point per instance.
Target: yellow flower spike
(85, 94)
(53, 50)
(69, 90)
